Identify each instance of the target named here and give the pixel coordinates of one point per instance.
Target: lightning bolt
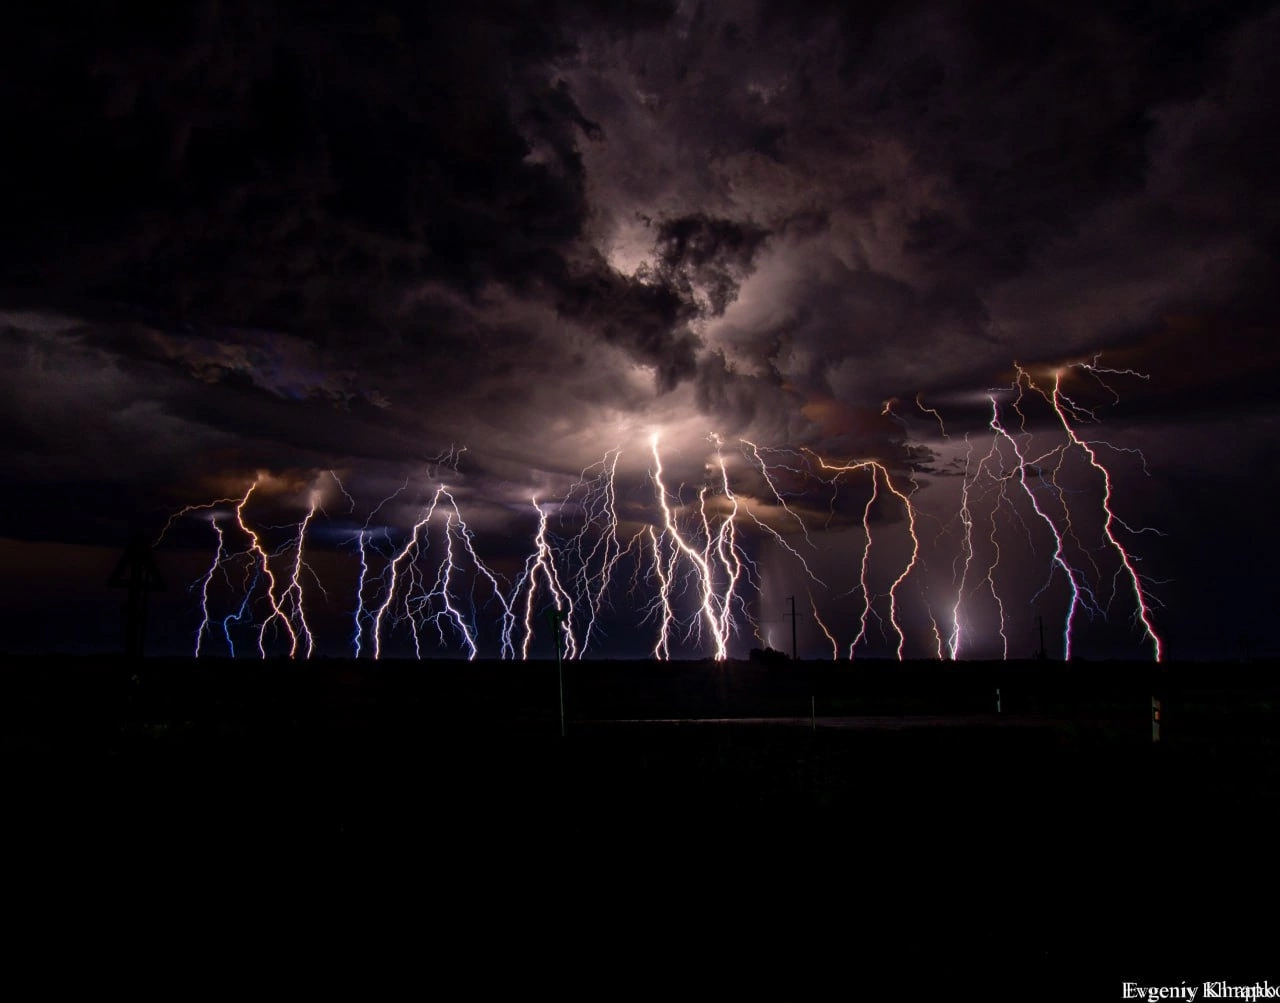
(835, 647)
(204, 587)
(878, 468)
(541, 564)
(933, 411)
(966, 544)
(357, 637)
(778, 497)
(187, 510)
(401, 561)
(688, 548)
(293, 593)
(712, 607)
(1143, 609)
(1080, 596)
(661, 607)
(597, 547)
(260, 554)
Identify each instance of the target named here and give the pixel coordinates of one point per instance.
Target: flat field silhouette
(760, 798)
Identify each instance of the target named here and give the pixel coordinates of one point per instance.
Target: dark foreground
(906, 831)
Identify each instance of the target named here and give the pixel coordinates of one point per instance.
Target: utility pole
(793, 614)
(136, 571)
(557, 620)
(1042, 654)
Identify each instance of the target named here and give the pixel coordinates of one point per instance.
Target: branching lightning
(705, 560)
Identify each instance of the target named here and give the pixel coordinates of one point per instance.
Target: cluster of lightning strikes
(682, 561)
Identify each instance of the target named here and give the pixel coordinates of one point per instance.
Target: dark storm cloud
(715, 254)
(319, 203)
(1003, 180)
(313, 205)
(287, 168)
(650, 318)
(700, 264)
(304, 171)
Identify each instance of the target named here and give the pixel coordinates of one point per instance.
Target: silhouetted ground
(1052, 842)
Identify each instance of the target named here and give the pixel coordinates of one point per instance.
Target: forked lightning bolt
(1029, 486)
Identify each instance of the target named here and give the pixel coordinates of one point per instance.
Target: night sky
(314, 243)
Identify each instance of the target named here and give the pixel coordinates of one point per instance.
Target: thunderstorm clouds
(938, 317)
